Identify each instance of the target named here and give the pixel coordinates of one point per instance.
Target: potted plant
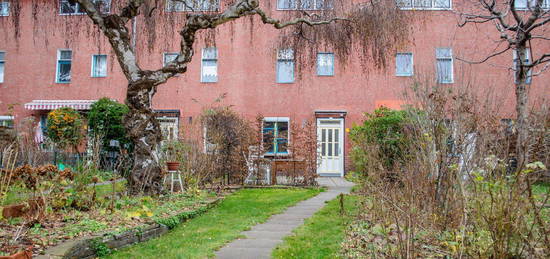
(174, 154)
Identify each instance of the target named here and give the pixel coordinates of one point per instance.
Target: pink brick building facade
(246, 67)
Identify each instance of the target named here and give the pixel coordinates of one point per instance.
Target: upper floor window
(169, 57)
(209, 65)
(325, 64)
(530, 4)
(404, 64)
(304, 4)
(4, 8)
(285, 66)
(64, 61)
(99, 65)
(276, 135)
(526, 61)
(444, 65)
(2, 61)
(424, 4)
(192, 5)
(65, 7)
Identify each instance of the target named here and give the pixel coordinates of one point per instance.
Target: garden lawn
(321, 235)
(200, 237)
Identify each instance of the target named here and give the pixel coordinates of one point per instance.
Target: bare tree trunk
(521, 106)
(144, 131)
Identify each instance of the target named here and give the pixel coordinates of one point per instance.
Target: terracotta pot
(173, 166)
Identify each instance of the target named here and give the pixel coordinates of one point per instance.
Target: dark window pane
(64, 72)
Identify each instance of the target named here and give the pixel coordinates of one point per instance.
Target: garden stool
(175, 177)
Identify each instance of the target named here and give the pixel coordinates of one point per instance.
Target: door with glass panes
(330, 139)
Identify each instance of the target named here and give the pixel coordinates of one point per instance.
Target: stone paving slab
(261, 239)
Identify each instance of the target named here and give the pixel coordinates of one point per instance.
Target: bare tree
(518, 23)
(140, 123)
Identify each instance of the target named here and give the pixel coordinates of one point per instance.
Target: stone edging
(99, 245)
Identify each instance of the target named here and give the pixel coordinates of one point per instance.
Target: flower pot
(173, 166)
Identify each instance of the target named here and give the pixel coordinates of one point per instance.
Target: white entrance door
(330, 137)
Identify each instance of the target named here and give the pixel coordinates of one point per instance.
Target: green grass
(322, 234)
(200, 237)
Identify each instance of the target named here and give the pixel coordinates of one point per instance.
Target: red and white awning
(54, 104)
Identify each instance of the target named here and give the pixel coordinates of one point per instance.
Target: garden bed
(115, 218)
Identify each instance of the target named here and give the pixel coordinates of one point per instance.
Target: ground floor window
(6, 121)
(276, 135)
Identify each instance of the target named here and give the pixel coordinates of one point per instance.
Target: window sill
(425, 9)
(309, 10)
(446, 83)
(190, 11)
(326, 75)
(71, 14)
(404, 75)
(63, 83)
(285, 83)
(99, 76)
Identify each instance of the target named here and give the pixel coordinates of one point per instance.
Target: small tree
(65, 128)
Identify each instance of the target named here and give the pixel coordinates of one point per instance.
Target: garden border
(103, 244)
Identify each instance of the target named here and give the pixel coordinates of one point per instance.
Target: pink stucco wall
(246, 68)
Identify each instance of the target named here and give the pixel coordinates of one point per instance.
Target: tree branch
(486, 58)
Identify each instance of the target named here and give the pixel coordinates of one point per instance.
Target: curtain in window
(442, 3)
(404, 3)
(423, 3)
(1, 71)
(209, 65)
(64, 71)
(285, 66)
(286, 4)
(285, 71)
(403, 64)
(100, 65)
(444, 70)
(444, 65)
(325, 64)
(4, 8)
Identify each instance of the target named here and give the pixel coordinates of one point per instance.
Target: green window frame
(276, 135)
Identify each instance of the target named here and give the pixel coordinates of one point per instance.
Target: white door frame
(340, 140)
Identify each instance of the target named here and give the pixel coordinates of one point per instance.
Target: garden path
(261, 239)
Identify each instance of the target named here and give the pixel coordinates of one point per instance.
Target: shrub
(65, 127)
(381, 136)
(105, 119)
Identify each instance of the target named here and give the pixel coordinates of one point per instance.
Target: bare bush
(459, 192)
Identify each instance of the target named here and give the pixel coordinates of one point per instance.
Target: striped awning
(54, 104)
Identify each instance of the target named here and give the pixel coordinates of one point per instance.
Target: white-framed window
(404, 65)
(168, 57)
(276, 135)
(285, 66)
(99, 65)
(64, 62)
(2, 65)
(325, 64)
(192, 5)
(530, 4)
(305, 4)
(425, 4)
(66, 8)
(6, 121)
(209, 65)
(4, 8)
(526, 60)
(444, 65)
